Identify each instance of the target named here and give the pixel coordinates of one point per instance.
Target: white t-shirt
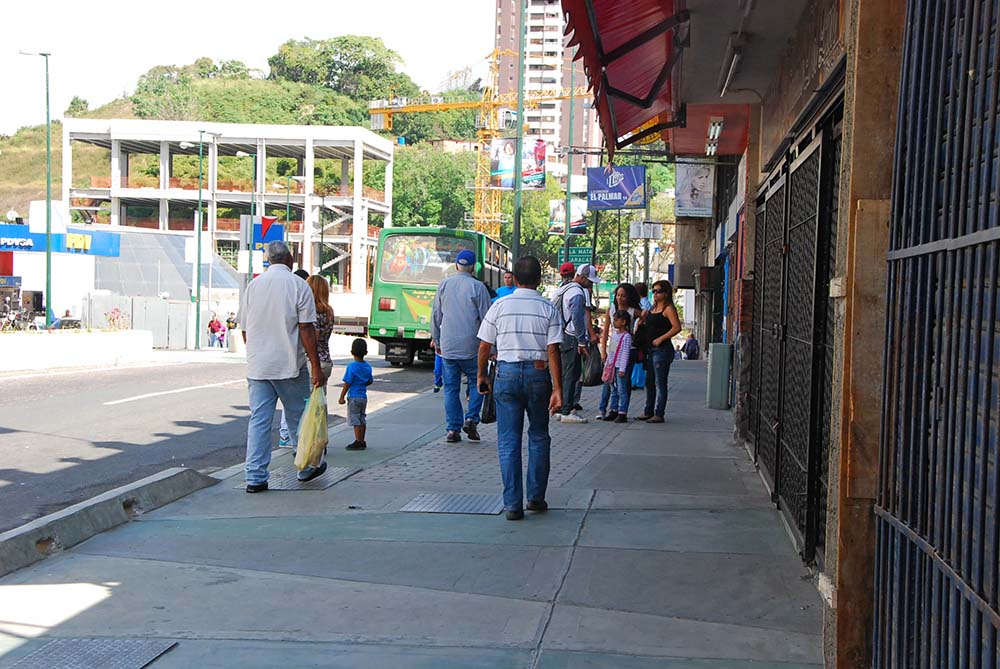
(271, 309)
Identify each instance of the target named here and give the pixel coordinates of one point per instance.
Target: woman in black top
(660, 324)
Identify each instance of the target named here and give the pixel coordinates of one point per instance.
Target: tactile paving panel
(95, 654)
(286, 479)
(439, 502)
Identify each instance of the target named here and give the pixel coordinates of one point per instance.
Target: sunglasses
(658, 290)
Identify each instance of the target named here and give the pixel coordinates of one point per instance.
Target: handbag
(489, 414)
(609, 368)
(639, 376)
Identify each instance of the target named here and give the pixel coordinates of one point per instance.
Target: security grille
(937, 575)
(793, 344)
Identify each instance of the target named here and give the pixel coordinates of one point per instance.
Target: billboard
(616, 187)
(557, 217)
(503, 152)
(695, 189)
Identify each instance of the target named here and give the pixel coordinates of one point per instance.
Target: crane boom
(487, 214)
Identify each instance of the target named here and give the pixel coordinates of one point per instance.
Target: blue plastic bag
(639, 376)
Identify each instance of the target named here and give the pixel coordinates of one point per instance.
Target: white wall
(73, 276)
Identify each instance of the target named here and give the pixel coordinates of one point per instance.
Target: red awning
(629, 50)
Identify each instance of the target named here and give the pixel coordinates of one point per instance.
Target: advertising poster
(616, 187)
(557, 217)
(695, 189)
(502, 157)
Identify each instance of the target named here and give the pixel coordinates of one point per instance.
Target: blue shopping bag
(639, 376)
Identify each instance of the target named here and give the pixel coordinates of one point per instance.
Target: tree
(429, 186)
(77, 107)
(165, 92)
(361, 67)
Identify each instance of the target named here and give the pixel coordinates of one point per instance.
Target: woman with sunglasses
(661, 323)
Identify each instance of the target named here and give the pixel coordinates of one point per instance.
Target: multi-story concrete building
(548, 67)
(328, 227)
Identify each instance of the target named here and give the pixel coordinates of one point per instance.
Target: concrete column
(67, 164)
(345, 176)
(164, 164)
(213, 182)
(359, 229)
(310, 211)
(873, 38)
(388, 193)
(164, 213)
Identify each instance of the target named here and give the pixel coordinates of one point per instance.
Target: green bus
(411, 262)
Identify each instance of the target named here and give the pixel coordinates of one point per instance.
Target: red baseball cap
(567, 268)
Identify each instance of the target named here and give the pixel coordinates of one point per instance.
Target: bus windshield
(423, 259)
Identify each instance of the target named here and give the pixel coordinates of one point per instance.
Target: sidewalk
(661, 550)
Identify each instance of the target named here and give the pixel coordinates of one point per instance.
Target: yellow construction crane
(494, 117)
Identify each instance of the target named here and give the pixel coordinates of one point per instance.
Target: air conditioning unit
(709, 279)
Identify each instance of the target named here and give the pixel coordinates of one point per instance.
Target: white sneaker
(558, 417)
(573, 418)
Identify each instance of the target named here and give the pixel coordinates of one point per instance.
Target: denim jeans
(658, 363)
(521, 388)
(621, 392)
(605, 398)
(453, 372)
(571, 368)
(264, 395)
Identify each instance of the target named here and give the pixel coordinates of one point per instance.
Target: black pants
(571, 369)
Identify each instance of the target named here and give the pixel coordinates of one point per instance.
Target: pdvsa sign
(17, 243)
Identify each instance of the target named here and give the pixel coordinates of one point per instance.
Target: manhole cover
(438, 502)
(285, 479)
(95, 654)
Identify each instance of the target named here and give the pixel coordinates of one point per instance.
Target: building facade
(548, 67)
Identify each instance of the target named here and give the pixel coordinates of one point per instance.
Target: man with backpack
(691, 350)
(571, 302)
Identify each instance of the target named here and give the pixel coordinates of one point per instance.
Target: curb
(64, 529)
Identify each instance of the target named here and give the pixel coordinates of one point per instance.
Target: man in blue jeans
(460, 303)
(278, 312)
(526, 330)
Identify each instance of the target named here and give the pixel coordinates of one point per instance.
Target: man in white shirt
(278, 312)
(571, 300)
(527, 331)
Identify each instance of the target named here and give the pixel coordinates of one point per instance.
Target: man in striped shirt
(527, 331)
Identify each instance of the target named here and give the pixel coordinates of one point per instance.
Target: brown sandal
(655, 419)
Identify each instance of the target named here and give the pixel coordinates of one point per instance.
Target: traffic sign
(578, 255)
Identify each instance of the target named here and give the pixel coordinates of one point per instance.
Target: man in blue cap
(460, 304)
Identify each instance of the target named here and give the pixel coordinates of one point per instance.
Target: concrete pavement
(660, 550)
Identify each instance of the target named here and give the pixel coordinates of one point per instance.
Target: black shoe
(538, 506)
(470, 429)
(356, 446)
(643, 417)
(622, 418)
(515, 515)
(310, 474)
(577, 407)
(257, 487)
(453, 436)
(610, 416)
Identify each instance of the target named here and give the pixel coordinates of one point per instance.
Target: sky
(101, 47)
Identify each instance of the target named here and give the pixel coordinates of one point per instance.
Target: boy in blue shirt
(357, 377)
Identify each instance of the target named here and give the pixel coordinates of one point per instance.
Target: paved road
(65, 437)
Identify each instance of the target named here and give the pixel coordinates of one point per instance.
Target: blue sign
(267, 231)
(10, 282)
(80, 241)
(616, 187)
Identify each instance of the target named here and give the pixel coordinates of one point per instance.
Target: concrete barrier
(58, 531)
(73, 348)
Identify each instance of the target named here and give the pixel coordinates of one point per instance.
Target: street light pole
(569, 163)
(515, 244)
(197, 300)
(48, 191)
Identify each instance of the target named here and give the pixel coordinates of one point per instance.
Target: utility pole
(515, 245)
(645, 235)
(569, 163)
(48, 190)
